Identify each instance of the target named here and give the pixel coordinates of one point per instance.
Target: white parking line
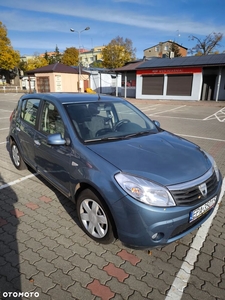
(6, 128)
(6, 110)
(152, 107)
(219, 115)
(17, 181)
(200, 137)
(193, 119)
(182, 278)
(161, 112)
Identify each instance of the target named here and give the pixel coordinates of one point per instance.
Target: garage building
(179, 78)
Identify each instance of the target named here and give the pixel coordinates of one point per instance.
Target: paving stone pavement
(45, 255)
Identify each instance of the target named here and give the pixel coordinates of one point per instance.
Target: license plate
(201, 210)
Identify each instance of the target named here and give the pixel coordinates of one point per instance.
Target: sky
(37, 26)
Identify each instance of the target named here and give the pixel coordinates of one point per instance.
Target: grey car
(129, 178)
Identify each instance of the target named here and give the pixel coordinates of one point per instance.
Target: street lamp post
(79, 68)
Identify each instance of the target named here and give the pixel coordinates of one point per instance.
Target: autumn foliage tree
(117, 53)
(35, 63)
(207, 45)
(70, 57)
(9, 58)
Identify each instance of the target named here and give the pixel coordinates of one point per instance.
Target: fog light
(157, 236)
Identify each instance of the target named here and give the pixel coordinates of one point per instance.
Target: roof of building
(171, 42)
(191, 61)
(186, 61)
(130, 66)
(55, 68)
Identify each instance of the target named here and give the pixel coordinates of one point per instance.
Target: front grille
(192, 195)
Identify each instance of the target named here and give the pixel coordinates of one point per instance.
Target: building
(25, 57)
(179, 78)
(104, 81)
(59, 78)
(128, 77)
(88, 57)
(50, 54)
(164, 49)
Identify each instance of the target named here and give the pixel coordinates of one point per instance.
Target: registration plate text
(201, 210)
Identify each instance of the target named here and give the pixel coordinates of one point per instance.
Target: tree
(46, 56)
(36, 62)
(96, 64)
(70, 57)
(118, 52)
(53, 58)
(9, 58)
(206, 45)
(175, 49)
(58, 55)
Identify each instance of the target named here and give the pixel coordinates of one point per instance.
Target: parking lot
(45, 255)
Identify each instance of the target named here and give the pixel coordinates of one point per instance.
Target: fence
(11, 89)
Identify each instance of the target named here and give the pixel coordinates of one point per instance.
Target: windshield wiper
(104, 139)
(138, 133)
(121, 137)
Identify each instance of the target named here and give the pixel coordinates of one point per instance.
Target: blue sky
(35, 26)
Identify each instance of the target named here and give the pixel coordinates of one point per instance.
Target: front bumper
(143, 226)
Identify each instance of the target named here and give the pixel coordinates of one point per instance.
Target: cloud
(102, 13)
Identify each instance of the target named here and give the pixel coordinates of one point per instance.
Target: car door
(26, 127)
(53, 161)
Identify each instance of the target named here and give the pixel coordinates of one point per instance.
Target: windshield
(99, 121)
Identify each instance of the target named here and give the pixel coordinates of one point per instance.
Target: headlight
(214, 165)
(145, 191)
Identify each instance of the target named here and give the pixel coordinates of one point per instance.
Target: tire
(16, 157)
(94, 217)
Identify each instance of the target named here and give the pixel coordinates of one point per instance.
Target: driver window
(126, 113)
(51, 121)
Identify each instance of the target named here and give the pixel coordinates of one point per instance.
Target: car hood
(162, 157)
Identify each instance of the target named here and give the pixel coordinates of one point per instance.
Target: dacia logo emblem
(203, 189)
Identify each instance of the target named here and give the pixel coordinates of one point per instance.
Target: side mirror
(156, 123)
(56, 139)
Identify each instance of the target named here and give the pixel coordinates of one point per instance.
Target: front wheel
(94, 217)
(16, 157)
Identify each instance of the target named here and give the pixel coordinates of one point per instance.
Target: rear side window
(29, 110)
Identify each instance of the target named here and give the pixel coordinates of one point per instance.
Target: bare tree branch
(207, 45)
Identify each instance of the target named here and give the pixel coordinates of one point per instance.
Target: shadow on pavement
(10, 282)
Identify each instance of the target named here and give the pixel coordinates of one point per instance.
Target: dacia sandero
(129, 178)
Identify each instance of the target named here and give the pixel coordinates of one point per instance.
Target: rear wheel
(16, 157)
(94, 217)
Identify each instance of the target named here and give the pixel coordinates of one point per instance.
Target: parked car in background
(129, 178)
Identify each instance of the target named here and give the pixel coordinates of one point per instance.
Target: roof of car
(73, 97)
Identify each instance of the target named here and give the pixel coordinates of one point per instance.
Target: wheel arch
(80, 187)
